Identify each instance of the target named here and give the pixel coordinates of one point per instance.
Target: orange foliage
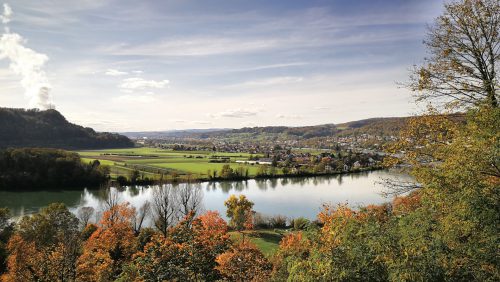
(244, 262)
(406, 204)
(28, 261)
(112, 244)
(210, 228)
(23, 262)
(379, 212)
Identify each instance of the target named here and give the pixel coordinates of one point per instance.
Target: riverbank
(124, 182)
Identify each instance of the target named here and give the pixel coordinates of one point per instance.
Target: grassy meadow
(153, 162)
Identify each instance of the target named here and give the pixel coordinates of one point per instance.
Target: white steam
(7, 13)
(27, 63)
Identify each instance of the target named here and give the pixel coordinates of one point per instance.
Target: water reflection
(292, 197)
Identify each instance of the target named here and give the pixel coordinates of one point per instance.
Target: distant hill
(390, 126)
(35, 128)
(374, 126)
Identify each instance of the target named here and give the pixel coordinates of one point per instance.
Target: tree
(84, 214)
(188, 251)
(464, 47)
(164, 209)
(239, 210)
(6, 229)
(134, 175)
(244, 262)
(45, 246)
(140, 216)
(189, 199)
(226, 172)
(110, 247)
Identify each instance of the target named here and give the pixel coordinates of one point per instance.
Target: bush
(301, 223)
(122, 180)
(278, 221)
(260, 220)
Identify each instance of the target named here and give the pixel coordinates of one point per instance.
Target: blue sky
(157, 65)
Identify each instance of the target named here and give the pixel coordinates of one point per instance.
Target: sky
(118, 65)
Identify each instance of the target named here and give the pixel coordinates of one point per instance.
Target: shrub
(122, 180)
(260, 220)
(300, 223)
(278, 221)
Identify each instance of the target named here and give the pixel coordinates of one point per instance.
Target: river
(291, 197)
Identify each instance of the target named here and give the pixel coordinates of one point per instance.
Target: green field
(267, 240)
(153, 162)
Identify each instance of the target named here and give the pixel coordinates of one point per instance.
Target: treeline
(34, 168)
(35, 128)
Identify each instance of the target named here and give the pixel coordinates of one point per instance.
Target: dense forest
(35, 128)
(36, 168)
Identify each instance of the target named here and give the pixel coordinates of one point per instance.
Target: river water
(291, 197)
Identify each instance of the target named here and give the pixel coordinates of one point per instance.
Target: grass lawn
(267, 240)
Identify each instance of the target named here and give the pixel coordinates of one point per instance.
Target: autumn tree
(45, 246)
(292, 248)
(187, 252)
(110, 247)
(447, 230)
(239, 210)
(244, 262)
(464, 47)
(6, 229)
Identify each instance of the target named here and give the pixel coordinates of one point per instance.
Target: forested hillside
(35, 128)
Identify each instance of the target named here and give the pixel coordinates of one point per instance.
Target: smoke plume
(26, 63)
(7, 13)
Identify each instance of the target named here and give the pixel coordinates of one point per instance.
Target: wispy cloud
(115, 72)
(192, 46)
(138, 83)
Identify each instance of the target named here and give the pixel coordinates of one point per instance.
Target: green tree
(226, 172)
(239, 210)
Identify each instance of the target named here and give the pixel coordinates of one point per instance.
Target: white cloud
(137, 72)
(137, 83)
(322, 108)
(7, 13)
(115, 72)
(236, 113)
